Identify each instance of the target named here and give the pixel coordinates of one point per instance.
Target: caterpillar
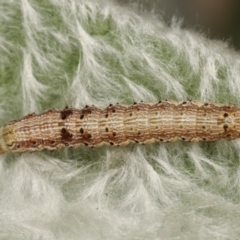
(120, 125)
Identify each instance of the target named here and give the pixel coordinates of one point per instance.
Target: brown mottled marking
(119, 125)
(66, 113)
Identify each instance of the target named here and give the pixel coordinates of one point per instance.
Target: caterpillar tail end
(3, 147)
(2, 150)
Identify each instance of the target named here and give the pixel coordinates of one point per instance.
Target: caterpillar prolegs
(120, 125)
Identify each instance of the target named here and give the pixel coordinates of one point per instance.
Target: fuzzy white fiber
(55, 53)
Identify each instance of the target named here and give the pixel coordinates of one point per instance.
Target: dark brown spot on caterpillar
(89, 135)
(114, 134)
(81, 130)
(110, 105)
(66, 113)
(65, 135)
(106, 115)
(136, 141)
(225, 115)
(206, 104)
(113, 110)
(111, 143)
(225, 127)
(184, 102)
(106, 129)
(82, 116)
(86, 144)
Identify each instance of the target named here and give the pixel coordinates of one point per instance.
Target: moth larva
(120, 125)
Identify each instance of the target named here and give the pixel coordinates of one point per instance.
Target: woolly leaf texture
(56, 53)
